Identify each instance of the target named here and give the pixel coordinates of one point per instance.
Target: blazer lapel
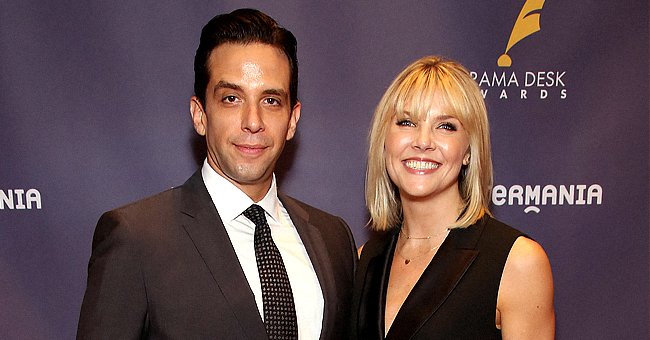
(374, 282)
(437, 282)
(206, 230)
(319, 257)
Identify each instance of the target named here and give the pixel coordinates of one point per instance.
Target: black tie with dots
(277, 298)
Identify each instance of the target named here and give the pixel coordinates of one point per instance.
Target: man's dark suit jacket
(164, 268)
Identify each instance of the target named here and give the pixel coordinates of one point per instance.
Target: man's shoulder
(137, 218)
(152, 214)
(312, 211)
(162, 198)
(330, 226)
(158, 205)
(170, 197)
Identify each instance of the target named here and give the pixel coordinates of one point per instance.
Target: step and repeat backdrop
(94, 100)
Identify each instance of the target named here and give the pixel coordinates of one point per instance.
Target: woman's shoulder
(526, 256)
(494, 225)
(377, 242)
(492, 233)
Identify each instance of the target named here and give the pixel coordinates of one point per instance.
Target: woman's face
(424, 157)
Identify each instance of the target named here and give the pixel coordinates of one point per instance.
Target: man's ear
(199, 119)
(293, 120)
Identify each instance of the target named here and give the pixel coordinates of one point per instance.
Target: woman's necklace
(407, 237)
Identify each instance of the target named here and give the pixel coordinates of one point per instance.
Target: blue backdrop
(94, 114)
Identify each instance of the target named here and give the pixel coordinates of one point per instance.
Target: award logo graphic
(526, 24)
(525, 82)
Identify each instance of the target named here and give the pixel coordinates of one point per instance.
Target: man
(183, 264)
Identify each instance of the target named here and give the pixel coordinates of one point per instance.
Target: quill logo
(526, 24)
(507, 83)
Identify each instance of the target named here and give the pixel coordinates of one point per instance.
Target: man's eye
(405, 122)
(229, 99)
(271, 101)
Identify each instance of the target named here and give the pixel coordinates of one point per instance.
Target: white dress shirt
(231, 203)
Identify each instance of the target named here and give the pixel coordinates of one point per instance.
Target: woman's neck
(424, 217)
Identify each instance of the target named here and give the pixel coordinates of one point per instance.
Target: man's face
(247, 115)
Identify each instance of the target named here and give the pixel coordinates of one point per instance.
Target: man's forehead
(246, 49)
(249, 64)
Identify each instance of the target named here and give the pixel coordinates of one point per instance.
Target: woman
(441, 266)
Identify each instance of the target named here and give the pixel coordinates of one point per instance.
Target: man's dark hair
(243, 26)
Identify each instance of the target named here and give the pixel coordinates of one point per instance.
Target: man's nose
(252, 119)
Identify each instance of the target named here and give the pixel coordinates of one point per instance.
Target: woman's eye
(448, 126)
(405, 122)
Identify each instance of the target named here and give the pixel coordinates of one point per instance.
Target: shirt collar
(230, 201)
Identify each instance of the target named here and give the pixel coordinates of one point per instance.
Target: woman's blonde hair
(416, 87)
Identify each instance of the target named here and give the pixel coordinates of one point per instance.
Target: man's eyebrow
(276, 92)
(226, 85)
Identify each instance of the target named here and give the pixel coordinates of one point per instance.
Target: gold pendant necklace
(409, 260)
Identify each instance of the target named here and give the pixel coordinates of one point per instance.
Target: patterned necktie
(277, 298)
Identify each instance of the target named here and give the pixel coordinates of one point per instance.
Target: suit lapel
(374, 282)
(319, 257)
(437, 282)
(204, 226)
